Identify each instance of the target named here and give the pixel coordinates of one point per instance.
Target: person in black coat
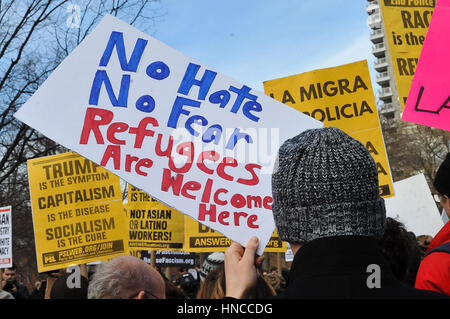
(327, 205)
(10, 283)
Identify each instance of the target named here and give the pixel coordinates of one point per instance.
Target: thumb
(250, 249)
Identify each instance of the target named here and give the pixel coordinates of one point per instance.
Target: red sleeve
(434, 273)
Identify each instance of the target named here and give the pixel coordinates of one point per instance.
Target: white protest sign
(444, 216)
(414, 206)
(289, 255)
(192, 138)
(5, 237)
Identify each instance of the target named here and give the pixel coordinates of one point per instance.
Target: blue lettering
(189, 80)
(197, 119)
(146, 104)
(102, 77)
(158, 70)
(177, 110)
(242, 93)
(251, 106)
(237, 135)
(221, 97)
(116, 40)
(213, 133)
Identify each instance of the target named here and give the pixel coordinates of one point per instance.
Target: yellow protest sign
(77, 211)
(341, 97)
(406, 23)
(200, 238)
(151, 224)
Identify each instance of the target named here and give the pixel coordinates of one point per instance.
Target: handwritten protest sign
(341, 97)
(192, 138)
(5, 237)
(152, 225)
(406, 23)
(195, 237)
(429, 97)
(77, 211)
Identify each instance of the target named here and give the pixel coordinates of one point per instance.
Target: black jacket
(337, 267)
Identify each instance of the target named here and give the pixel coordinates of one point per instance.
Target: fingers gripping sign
(241, 268)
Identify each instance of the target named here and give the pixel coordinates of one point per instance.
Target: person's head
(10, 273)
(274, 280)
(209, 287)
(214, 287)
(213, 261)
(126, 277)
(64, 288)
(397, 247)
(424, 241)
(172, 291)
(183, 270)
(442, 184)
(324, 184)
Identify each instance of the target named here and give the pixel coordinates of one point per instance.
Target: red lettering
(128, 161)
(251, 221)
(227, 161)
(256, 201)
(91, 124)
(207, 191)
(144, 162)
(237, 200)
(203, 212)
(114, 128)
(192, 186)
(237, 216)
(207, 155)
(222, 216)
(168, 149)
(187, 149)
(254, 180)
(141, 131)
(216, 196)
(112, 151)
(267, 201)
(168, 181)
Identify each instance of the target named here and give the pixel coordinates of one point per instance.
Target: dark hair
(397, 247)
(13, 267)
(61, 290)
(214, 287)
(172, 291)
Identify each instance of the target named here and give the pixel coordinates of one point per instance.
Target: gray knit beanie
(325, 183)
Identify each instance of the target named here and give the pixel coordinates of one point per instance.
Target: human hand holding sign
(241, 267)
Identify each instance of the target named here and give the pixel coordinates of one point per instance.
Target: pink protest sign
(428, 101)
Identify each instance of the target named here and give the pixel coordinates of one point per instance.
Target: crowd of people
(328, 208)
